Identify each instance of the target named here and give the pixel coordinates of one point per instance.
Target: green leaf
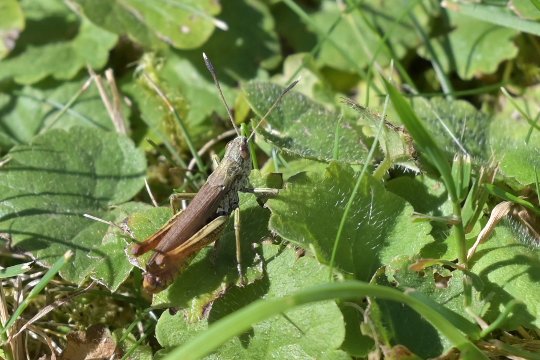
(438, 287)
(315, 330)
(517, 119)
(464, 49)
(11, 25)
(456, 126)
(31, 110)
(509, 266)
(356, 343)
(61, 59)
(429, 197)
(245, 49)
(15, 270)
(309, 210)
(356, 39)
(344, 37)
(50, 183)
(518, 162)
(182, 24)
(526, 9)
(305, 128)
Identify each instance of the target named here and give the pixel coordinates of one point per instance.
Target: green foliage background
(67, 152)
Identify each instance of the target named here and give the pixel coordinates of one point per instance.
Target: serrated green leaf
(456, 126)
(380, 227)
(61, 59)
(465, 50)
(50, 183)
(11, 24)
(314, 330)
(182, 24)
(32, 110)
(304, 128)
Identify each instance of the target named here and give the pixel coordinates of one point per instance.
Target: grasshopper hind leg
(241, 275)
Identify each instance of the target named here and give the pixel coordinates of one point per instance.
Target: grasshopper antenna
(276, 102)
(210, 68)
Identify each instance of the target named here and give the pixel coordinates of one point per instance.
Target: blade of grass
(243, 319)
(505, 195)
(499, 15)
(446, 84)
(428, 147)
(422, 138)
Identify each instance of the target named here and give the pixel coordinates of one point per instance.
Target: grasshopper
(203, 220)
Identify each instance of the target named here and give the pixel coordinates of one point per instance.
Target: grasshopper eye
(244, 151)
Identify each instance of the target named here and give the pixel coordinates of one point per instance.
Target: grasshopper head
(237, 150)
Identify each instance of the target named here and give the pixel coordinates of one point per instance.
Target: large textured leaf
(379, 226)
(311, 331)
(62, 54)
(31, 110)
(182, 24)
(50, 183)
(456, 126)
(465, 50)
(11, 24)
(304, 128)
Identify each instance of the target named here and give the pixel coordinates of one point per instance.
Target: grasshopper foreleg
(262, 191)
(238, 249)
(176, 200)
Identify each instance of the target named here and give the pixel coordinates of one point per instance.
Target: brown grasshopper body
(202, 221)
(217, 198)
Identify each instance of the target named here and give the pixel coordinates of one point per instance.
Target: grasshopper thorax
(232, 174)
